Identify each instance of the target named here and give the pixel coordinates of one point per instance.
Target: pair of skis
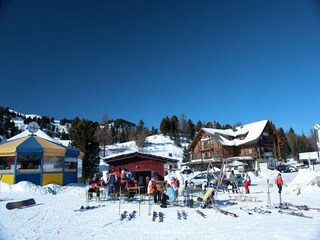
(83, 209)
(156, 215)
(256, 210)
(292, 213)
(181, 215)
(227, 213)
(305, 207)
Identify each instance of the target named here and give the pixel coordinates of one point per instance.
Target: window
(70, 164)
(53, 164)
(6, 164)
(28, 163)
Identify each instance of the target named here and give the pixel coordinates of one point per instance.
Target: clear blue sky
(229, 61)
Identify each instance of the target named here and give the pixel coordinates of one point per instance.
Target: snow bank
(306, 180)
(28, 187)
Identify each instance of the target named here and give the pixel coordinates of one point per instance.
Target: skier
(246, 183)
(233, 182)
(279, 182)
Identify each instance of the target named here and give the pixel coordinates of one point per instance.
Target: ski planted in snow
(132, 215)
(184, 214)
(123, 215)
(160, 217)
(178, 215)
(225, 212)
(154, 216)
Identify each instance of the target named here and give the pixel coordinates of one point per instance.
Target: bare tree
(183, 126)
(103, 133)
(141, 139)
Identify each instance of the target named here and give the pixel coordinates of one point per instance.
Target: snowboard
(19, 204)
(225, 212)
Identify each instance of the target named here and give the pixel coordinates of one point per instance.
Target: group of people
(247, 182)
(160, 192)
(122, 180)
(117, 180)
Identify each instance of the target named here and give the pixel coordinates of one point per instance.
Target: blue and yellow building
(38, 160)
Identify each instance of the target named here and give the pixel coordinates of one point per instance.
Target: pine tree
(199, 125)
(174, 127)
(217, 125)
(209, 125)
(82, 136)
(165, 126)
(186, 155)
(190, 130)
(285, 147)
(123, 136)
(292, 140)
(140, 127)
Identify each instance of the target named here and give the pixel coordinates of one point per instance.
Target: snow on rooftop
(251, 130)
(158, 145)
(39, 133)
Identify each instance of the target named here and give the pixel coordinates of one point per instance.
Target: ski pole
(0, 182)
(149, 206)
(119, 200)
(269, 201)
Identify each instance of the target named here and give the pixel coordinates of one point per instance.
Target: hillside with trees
(108, 131)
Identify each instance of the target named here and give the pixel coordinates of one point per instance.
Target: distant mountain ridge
(54, 128)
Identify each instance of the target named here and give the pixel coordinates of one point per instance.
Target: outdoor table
(103, 192)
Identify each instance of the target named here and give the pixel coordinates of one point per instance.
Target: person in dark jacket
(112, 181)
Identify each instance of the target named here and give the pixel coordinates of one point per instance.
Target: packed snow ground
(53, 217)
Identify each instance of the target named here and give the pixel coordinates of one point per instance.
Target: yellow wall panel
(56, 178)
(8, 178)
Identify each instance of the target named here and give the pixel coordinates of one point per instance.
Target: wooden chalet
(140, 164)
(249, 143)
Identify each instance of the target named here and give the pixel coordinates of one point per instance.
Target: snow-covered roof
(39, 133)
(251, 132)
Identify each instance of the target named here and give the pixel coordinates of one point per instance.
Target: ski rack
(211, 167)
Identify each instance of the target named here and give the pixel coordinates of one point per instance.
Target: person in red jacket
(246, 183)
(94, 186)
(279, 182)
(131, 183)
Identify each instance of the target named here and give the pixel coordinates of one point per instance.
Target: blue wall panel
(69, 177)
(31, 177)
